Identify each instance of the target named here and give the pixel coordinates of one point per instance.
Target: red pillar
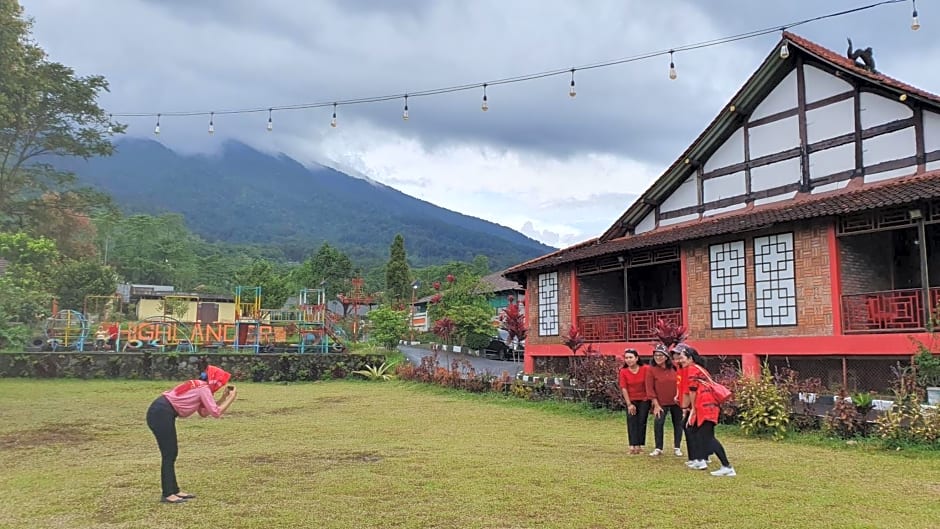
(835, 279)
(750, 365)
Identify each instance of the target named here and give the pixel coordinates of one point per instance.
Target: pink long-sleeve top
(195, 400)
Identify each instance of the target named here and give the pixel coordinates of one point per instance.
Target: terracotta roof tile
(844, 201)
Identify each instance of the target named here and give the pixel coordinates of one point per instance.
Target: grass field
(77, 454)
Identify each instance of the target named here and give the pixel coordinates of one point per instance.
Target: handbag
(721, 393)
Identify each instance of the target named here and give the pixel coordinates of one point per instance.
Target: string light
(404, 113)
(673, 74)
(110, 125)
(211, 123)
(915, 24)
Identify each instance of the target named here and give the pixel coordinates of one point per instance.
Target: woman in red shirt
(192, 396)
(661, 387)
(633, 386)
(704, 413)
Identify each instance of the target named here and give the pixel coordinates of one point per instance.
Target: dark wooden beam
(857, 135)
(891, 165)
(804, 141)
(747, 160)
(919, 138)
(794, 111)
(730, 201)
(699, 188)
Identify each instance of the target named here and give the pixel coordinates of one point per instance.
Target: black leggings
(658, 422)
(706, 444)
(636, 424)
(161, 418)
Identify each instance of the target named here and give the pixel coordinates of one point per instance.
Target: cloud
(538, 160)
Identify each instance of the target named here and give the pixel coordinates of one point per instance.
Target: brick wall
(813, 303)
(865, 262)
(601, 293)
(564, 307)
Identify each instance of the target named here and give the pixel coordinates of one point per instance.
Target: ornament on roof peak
(866, 55)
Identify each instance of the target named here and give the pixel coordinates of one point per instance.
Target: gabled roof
(897, 192)
(773, 69)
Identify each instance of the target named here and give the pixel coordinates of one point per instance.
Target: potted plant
(928, 374)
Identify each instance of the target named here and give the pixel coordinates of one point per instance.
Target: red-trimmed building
(800, 225)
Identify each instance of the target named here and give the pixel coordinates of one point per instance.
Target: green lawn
(77, 454)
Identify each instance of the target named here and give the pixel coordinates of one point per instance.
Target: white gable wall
(730, 152)
(783, 97)
(686, 195)
(647, 224)
(727, 186)
(877, 110)
(774, 137)
(931, 131)
(820, 85)
(830, 121)
(886, 147)
(775, 175)
(832, 161)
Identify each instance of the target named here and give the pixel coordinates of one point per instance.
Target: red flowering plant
(574, 340)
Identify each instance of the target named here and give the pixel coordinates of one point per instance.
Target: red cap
(217, 377)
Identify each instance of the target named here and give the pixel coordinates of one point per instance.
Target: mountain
(244, 196)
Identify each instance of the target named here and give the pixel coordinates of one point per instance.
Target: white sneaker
(725, 471)
(656, 452)
(699, 465)
(691, 463)
(677, 452)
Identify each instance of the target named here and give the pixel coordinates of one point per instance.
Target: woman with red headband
(192, 396)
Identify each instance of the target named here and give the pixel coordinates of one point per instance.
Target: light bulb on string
(404, 113)
(270, 121)
(211, 123)
(485, 106)
(915, 23)
(784, 48)
(333, 121)
(672, 67)
(110, 125)
(156, 129)
(571, 91)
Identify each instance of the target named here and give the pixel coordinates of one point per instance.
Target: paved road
(494, 367)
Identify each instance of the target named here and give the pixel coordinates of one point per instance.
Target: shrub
(596, 374)
(763, 408)
(844, 420)
(478, 341)
(907, 423)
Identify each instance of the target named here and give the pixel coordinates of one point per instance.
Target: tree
(512, 320)
(330, 267)
(45, 111)
(77, 279)
(397, 275)
(387, 326)
(155, 250)
(274, 286)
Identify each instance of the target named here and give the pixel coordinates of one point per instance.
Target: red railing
(619, 327)
(885, 311)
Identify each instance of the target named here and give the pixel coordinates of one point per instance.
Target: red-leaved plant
(574, 340)
(444, 328)
(512, 320)
(670, 333)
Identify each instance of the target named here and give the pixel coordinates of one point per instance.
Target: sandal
(185, 496)
(177, 500)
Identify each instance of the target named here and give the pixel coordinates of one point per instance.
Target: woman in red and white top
(632, 381)
(192, 396)
(661, 387)
(704, 413)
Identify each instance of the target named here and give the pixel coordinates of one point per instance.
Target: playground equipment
(102, 308)
(355, 300)
(247, 318)
(67, 329)
(309, 320)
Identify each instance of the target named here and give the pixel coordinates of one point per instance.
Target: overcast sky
(559, 169)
